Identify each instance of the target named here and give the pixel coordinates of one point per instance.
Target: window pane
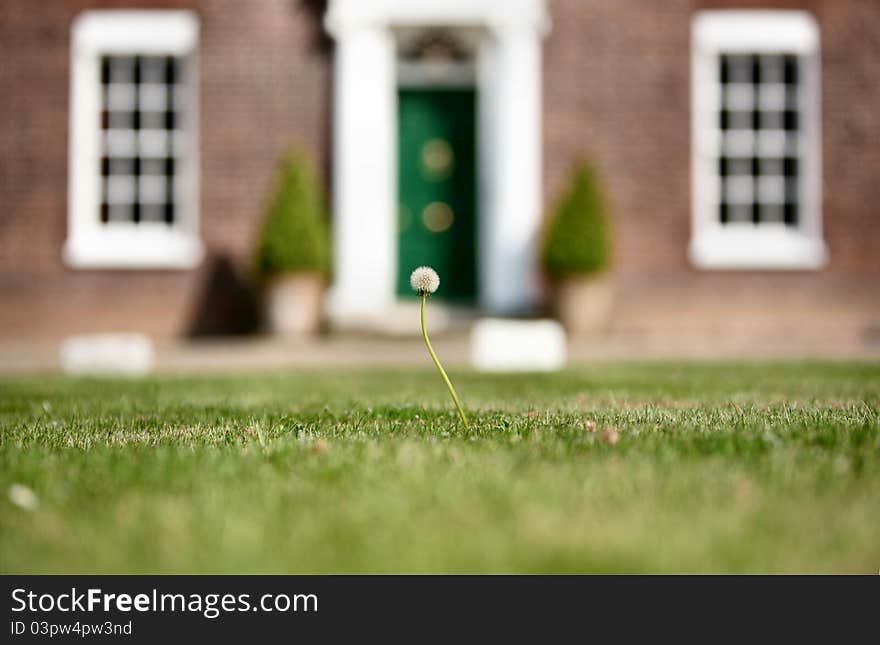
(143, 99)
(759, 158)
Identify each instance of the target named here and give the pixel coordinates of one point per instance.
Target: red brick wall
(264, 69)
(616, 88)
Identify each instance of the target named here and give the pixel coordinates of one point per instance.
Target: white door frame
(365, 145)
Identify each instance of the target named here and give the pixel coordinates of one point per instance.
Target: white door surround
(364, 149)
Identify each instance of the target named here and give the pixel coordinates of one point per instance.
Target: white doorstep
(499, 345)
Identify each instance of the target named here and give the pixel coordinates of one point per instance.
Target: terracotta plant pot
(295, 303)
(583, 304)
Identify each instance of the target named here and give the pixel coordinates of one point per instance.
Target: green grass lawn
(718, 468)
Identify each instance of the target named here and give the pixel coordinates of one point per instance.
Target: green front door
(437, 211)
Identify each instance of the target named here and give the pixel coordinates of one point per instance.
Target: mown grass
(719, 468)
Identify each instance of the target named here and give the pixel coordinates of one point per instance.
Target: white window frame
(122, 245)
(745, 245)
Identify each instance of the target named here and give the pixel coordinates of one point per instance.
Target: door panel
(437, 195)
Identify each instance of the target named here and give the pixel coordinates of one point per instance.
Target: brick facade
(616, 88)
(264, 85)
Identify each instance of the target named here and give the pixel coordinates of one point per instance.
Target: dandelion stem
(439, 366)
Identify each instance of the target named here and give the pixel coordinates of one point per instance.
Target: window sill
(746, 248)
(145, 248)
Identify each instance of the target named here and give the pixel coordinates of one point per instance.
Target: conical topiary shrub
(295, 238)
(577, 253)
(578, 239)
(293, 257)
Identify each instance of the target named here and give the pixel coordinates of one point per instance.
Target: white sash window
(756, 142)
(133, 195)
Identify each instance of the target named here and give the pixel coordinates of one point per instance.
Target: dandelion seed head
(424, 280)
(23, 497)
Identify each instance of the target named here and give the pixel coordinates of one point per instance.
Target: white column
(364, 245)
(511, 81)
